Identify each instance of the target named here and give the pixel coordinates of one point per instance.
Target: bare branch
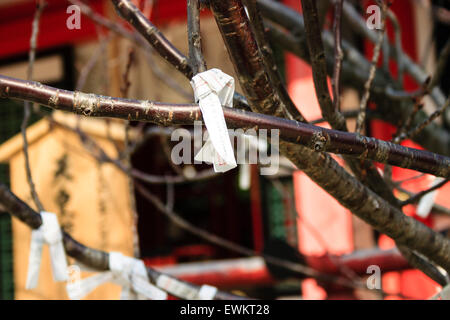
(416, 261)
(419, 195)
(355, 69)
(27, 105)
(415, 131)
(194, 38)
(313, 137)
(153, 36)
(318, 64)
(338, 54)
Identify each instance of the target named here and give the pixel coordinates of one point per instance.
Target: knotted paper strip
(48, 233)
(127, 272)
(214, 89)
(182, 290)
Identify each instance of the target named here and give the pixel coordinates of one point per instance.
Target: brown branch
(364, 170)
(425, 266)
(419, 195)
(360, 120)
(398, 46)
(354, 71)
(415, 131)
(338, 54)
(270, 65)
(27, 105)
(101, 156)
(165, 49)
(436, 207)
(418, 105)
(110, 25)
(135, 38)
(153, 36)
(319, 67)
(125, 87)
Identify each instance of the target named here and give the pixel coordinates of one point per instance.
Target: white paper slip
(48, 233)
(214, 89)
(183, 290)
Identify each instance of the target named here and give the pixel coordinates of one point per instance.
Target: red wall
(16, 20)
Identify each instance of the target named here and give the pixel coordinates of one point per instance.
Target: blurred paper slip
(127, 272)
(48, 233)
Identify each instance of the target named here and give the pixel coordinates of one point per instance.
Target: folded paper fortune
(214, 89)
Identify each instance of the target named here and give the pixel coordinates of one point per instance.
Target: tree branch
(154, 37)
(313, 137)
(194, 38)
(27, 105)
(354, 72)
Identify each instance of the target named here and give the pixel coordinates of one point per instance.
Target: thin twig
(419, 195)
(154, 37)
(87, 68)
(360, 120)
(413, 132)
(441, 65)
(421, 263)
(271, 67)
(436, 207)
(319, 67)
(400, 182)
(125, 87)
(338, 54)
(364, 170)
(356, 68)
(398, 46)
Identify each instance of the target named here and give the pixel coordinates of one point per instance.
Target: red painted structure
(239, 273)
